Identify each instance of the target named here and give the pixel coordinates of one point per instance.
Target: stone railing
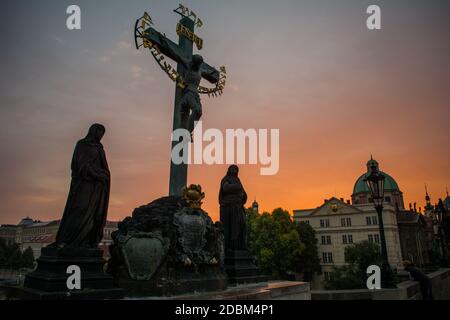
(406, 290)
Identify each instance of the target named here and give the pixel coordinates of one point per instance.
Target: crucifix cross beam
(178, 52)
(190, 70)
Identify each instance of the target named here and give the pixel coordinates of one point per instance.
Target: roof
(447, 202)
(11, 226)
(45, 238)
(389, 184)
(303, 211)
(360, 185)
(30, 223)
(111, 224)
(409, 217)
(337, 207)
(26, 221)
(43, 224)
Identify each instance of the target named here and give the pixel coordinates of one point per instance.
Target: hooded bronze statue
(232, 198)
(87, 203)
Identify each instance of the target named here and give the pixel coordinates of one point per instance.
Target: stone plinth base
(140, 288)
(49, 280)
(241, 268)
(24, 293)
(273, 290)
(168, 247)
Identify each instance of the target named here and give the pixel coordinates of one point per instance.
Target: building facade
(340, 223)
(8, 233)
(416, 237)
(38, 234)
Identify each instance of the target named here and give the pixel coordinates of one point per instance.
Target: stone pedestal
(272, 290)
(49, 280)
(241, 268)
(167, 248)
(173, 286)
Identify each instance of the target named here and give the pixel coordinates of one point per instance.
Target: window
(346, 222)
(374, 220)
(324, 223)
(306, 221)
(325, 240)
(376, 237)
(347, 239)
(330, 257)
(327, 275)
(327, 257)
(387, 199)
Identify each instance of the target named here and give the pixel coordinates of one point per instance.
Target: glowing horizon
(337, 91)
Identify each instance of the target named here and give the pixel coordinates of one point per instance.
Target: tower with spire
(447, 199)
(428, 206)
(255, 206)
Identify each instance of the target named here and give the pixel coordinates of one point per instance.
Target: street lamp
(375, 182)
(440, 213)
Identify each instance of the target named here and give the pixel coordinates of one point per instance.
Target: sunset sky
(336, 90)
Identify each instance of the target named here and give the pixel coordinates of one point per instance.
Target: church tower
(428, 206)
(255, 206)
(392, 194)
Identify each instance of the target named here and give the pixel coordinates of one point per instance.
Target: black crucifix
(190, 70)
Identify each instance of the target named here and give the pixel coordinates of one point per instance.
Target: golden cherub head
(193, 195)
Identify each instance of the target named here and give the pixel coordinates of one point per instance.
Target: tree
(274, 240)
(13, 256)
(2, 252)
(27, 260)
(342, 278)
(353, 276)
(363, 254)
(251, 216)
(309, 259)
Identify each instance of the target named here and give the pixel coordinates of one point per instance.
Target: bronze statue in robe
(87, 203)
(232, 198)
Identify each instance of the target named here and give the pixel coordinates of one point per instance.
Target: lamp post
(375, 182)
(440, 214)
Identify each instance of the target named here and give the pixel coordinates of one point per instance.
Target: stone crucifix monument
(188, 74)
(171, 246)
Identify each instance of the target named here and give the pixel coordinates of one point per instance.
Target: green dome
(447, 202)
(389, 184)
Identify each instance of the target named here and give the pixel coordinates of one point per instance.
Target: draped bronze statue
(87, 203)
(79, 233)
(232, 198)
